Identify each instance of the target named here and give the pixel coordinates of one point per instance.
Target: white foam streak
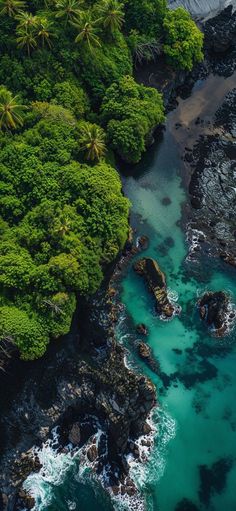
(52, 473)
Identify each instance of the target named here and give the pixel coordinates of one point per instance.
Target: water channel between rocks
(199, 407)
(194, 457)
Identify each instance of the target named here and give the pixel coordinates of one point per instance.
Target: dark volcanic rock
(213, 183)
(74, 434)
(214, 310)
(220, 32)
(146, 354)
(92, 453)
(25, 499)
(155, 278)
(143, 242)
(144, 350)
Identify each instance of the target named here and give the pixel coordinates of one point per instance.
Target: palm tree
(62, 225)
(26, 19)
(92, 141)
(111, 15)
(68, 9)
(44, 31)
(26, 38)
(10, 110)
(87, 31)
(11, 7)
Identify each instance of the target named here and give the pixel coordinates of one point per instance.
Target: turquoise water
(199, 461)
(194, 456)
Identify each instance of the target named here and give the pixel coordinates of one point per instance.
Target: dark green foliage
(91, 141)
(24, 331)
(64, 217)
(71, 96)
(131, 112)
(107, 64)
(62, 222)
(145, 16)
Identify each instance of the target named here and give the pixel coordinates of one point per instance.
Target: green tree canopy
(183, 40)
(131, 112)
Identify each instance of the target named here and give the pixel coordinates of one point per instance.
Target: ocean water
(197, 466)
(193, 462)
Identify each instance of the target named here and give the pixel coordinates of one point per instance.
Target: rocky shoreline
(94, 382)
(213, 183)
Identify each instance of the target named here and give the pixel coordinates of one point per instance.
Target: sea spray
(55, 466)
(150, 466)
(163, 429)
(62, 468)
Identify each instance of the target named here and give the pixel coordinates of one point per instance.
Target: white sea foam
(172, 295)
(71, 505)
(52, 473)
(149, 468)
(163, 430)
(56, 464)
(193, 237)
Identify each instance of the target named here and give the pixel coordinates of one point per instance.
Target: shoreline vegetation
(67, 101)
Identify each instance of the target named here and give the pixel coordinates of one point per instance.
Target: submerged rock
(155, 278)
(142, 329)
(214, 310)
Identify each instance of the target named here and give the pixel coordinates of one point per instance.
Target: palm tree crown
(26, 38)
(44, 31)
(87, 31)
(68, 9)
(11, 7)
(26, 19)
(92, 141)
(10, 110)
(112, 15)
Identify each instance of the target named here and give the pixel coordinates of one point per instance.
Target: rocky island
(155, 278)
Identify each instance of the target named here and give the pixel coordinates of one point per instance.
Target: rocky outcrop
(155, 278)
(74, 434)
(144, 350)
(220, 32)
(213, 184)
(215, 311)
(142, 329)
